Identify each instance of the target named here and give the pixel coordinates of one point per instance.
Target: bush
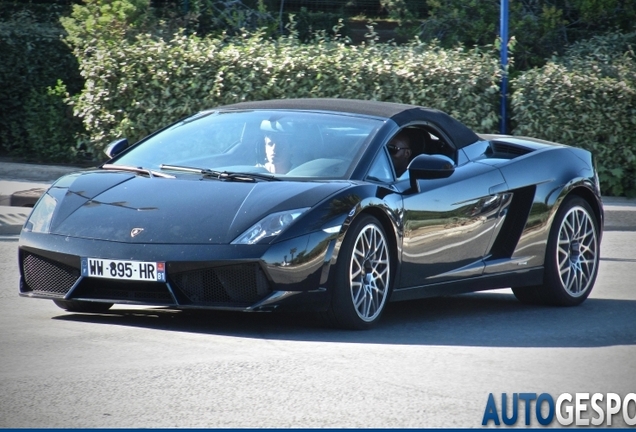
(52, 133)
(586, 99)
(107, 21)
(210, 17)
(309, 24)
(34, 58)
(540, 27)
(187, 74)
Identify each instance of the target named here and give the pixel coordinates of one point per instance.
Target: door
(449, 225)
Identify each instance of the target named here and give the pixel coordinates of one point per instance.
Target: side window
(437, 145)
(425, 140)
(412, 141)
(401, 149)
(381, 169)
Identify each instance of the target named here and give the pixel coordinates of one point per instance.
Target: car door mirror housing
(429, 167)
(116, 147)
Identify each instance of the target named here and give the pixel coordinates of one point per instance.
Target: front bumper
(292, 274)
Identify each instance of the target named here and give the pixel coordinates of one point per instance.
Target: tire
(82, 306)
(363, 276)
(572, 257)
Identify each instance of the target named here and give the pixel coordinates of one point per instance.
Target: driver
(400, 150)
(277, 153)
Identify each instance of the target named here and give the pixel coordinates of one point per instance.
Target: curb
(12, 219)
(35, 173)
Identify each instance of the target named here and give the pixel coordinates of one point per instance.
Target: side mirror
(116, 147)
(429, 167)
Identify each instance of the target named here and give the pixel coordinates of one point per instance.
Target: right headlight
(268, 227)
(42, 214)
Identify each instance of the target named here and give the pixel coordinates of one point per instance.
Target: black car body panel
(123, 201)
(484, 224)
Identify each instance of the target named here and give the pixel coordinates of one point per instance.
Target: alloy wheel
(369, 273)
(577, 251)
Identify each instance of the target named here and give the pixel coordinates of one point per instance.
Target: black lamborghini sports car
(296, 205)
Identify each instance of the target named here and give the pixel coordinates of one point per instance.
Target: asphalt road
(430, 363)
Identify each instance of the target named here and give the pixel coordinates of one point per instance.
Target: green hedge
(540, 27)
(586, 99)
(134, 88)
(34, 58)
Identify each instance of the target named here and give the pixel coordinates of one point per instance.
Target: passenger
(400, 150)
(277, 153)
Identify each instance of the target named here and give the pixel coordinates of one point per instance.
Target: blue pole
(503, 33)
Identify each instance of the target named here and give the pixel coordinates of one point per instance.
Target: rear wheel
(363, 276)
(572, 257)
(82, 306)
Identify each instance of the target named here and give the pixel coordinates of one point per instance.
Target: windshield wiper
(221, 175)
(138, 170)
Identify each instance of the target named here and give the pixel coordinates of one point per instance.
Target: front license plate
(124, 270)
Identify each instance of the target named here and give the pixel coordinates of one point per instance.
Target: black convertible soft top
(401, 114)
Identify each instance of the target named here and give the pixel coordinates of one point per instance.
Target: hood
(108, 205)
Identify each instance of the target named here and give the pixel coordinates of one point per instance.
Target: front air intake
(48, 277)
(235, 285)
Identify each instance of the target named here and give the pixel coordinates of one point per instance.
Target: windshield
(280, 143)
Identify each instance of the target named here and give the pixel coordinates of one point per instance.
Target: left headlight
(42, 214)
(268, 227)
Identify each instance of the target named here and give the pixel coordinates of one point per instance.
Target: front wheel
(363, 276)
(82, 306)
(572, 257)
